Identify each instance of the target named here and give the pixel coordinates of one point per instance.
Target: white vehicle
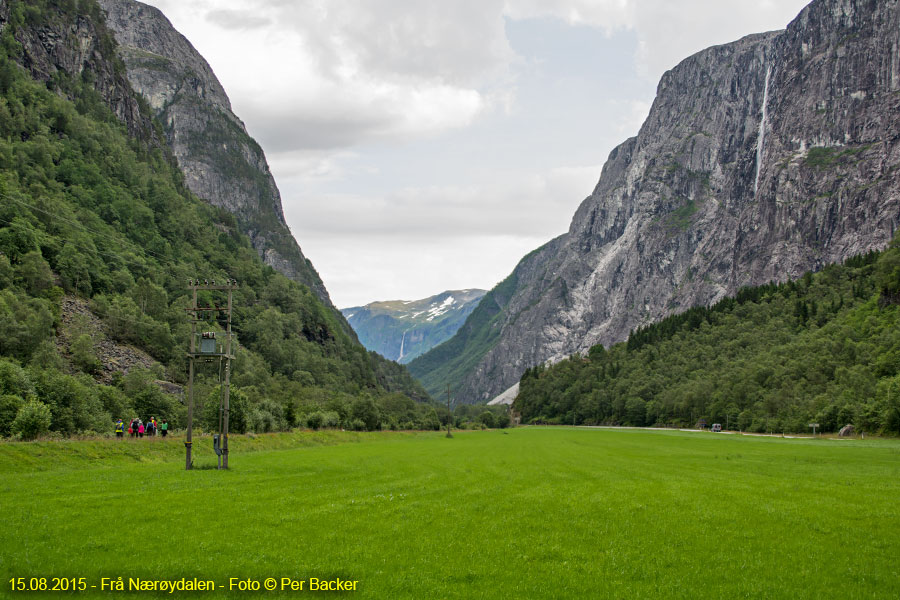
(717, 427)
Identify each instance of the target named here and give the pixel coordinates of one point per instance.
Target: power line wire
(83, 226)
(94, 249)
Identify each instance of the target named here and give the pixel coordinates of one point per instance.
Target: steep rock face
(221, 163)
(62, 48)
(402, 330)
(760, 159)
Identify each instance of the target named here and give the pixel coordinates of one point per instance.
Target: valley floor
(522, 513)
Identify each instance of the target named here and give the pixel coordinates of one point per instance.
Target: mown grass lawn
(523, 513)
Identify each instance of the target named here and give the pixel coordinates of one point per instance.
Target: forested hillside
(90, 212)
(824, 349)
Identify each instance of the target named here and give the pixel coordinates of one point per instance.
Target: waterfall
(402, 339)
(761, 137)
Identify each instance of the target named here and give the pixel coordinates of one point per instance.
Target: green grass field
(522, 513)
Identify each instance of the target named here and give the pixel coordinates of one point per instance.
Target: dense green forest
(89, 213)
(824, 349)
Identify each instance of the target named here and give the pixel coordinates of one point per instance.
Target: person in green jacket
(164, 428)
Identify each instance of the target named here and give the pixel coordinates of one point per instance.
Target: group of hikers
(138, 428)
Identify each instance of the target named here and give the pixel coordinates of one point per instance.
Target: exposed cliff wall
(66, 50)
(221, 163)
(760, 159)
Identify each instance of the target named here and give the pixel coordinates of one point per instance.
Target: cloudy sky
(426, 145)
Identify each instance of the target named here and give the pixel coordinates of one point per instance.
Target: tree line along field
(823, 349)
(526, 512)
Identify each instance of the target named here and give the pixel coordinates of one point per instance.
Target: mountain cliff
(99, 236)
(759, 160)
(221, 163)
(402, 330)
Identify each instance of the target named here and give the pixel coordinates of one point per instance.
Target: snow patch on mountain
(436, 311)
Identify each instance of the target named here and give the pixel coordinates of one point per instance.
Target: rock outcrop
(66, 51)
(221, 163)
(76, 318)
(759, 160)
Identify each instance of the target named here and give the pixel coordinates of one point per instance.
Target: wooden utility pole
(449, 414)
(188, 440)
(227, 359)
(209, 351)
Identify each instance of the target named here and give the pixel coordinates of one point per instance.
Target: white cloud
(415, 151)
(635, 115)
(358, 275)
(335, 74)
(328, 116)
(668, 31)
(237, 19)
(311, 166)
(606, 15)
(327, 75)
(671, 31)
(525, 205)
(414, 242)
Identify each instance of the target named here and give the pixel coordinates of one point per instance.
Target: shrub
(24, 323)
(636, 411)
(261, 420)
(357, 425)
(35, 273)
(9, 408)
(431, 421)
(115, 402)
(73, 401)
(314, 420)
(83, 354)
(14, 380)
(365, 410)
(32, 420)
(238, 409)
(6, 272)
(330, 419)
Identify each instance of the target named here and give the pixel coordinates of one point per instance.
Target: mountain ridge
(221, 163)
(420, 324)
(99, 237)
(714, 193)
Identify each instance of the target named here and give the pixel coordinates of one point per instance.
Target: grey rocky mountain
(221, 163)
(402, 330)
(760, 159)
(51, 54)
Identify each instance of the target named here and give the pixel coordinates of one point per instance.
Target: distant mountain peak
(403, 329)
